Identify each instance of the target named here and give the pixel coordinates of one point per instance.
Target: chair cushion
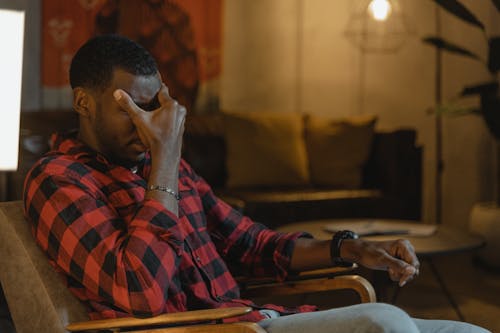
(265, 149)
(338, 149)
(37, 296)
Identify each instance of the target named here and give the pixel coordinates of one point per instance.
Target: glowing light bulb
(380, 9)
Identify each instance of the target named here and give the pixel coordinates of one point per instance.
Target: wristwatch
(335, 244)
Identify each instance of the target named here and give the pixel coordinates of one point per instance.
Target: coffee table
(445, 240)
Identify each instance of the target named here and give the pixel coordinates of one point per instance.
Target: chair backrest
(37, 296)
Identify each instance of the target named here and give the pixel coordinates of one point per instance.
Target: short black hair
(93, 64)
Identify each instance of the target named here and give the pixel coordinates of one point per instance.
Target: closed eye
(151, 105)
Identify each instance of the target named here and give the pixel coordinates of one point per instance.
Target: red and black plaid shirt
(126, 255)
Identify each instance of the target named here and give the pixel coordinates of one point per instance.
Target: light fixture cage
(378, 36)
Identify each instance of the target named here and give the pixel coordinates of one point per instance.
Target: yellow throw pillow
(265, 149)
(338, 149)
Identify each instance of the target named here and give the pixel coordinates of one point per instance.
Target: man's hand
(159, 130)
(397, 257)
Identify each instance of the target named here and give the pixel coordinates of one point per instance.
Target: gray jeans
(363, 318)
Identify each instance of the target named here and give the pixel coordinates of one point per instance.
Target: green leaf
(450, 47)
(497, 4)
(479, 89)
(456, 8)
(452, 110)
(494, 54)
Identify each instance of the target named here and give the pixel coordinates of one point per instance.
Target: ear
(82, 102)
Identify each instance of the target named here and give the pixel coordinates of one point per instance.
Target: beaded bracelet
(165, 189)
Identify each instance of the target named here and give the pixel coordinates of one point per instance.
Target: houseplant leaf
(494, 54)
(460, 11)
(482, 88)
(451, 110)
(497, 4)
(450, 47)
(490, 105)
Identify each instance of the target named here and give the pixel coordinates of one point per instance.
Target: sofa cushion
(338, 148)
(265, 149)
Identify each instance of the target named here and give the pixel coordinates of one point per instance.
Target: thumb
(400, 271)
(398, 267)
(126, 103)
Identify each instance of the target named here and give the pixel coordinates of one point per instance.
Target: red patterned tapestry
(184, 36)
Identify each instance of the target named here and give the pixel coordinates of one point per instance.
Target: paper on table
(374, 227)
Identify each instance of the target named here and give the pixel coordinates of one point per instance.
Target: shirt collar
(68, 144)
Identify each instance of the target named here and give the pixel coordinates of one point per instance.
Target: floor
(476, 291)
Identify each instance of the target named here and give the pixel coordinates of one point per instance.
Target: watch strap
(335, 245)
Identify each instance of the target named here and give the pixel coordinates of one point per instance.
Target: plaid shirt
(125, 255)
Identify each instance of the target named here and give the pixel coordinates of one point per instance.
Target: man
(137, 233)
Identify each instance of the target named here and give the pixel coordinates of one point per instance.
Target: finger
(399, 270)
(408, 275)
(182, 111)
(403, 249)
(404, 277)
(163, 95)
(126, 103)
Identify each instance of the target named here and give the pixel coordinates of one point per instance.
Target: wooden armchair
(39, 301)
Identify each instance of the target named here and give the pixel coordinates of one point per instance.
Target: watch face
(348, 234)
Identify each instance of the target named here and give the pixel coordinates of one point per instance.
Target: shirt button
(198, 259)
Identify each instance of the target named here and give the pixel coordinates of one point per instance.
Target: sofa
(243, 156)
(389, 183)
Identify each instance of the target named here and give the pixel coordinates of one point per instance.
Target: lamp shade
(11, 39)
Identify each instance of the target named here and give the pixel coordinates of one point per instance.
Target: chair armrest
(329, 272)
(322, 273)
(356, 283)
(163, 319)
(327, 279)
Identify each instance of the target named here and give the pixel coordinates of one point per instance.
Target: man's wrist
(340, 252)
(350, 250)
(165, 189)
(167, 175)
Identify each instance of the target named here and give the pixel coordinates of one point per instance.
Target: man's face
(115, 134)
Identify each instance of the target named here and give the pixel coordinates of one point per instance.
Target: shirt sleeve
(248, 248)
(125, 262)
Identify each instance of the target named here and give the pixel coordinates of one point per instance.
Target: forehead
(141, 88)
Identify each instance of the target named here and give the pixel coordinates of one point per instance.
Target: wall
(292, 56)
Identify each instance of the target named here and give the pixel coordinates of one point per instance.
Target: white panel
(31, 93)
(11, 38)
